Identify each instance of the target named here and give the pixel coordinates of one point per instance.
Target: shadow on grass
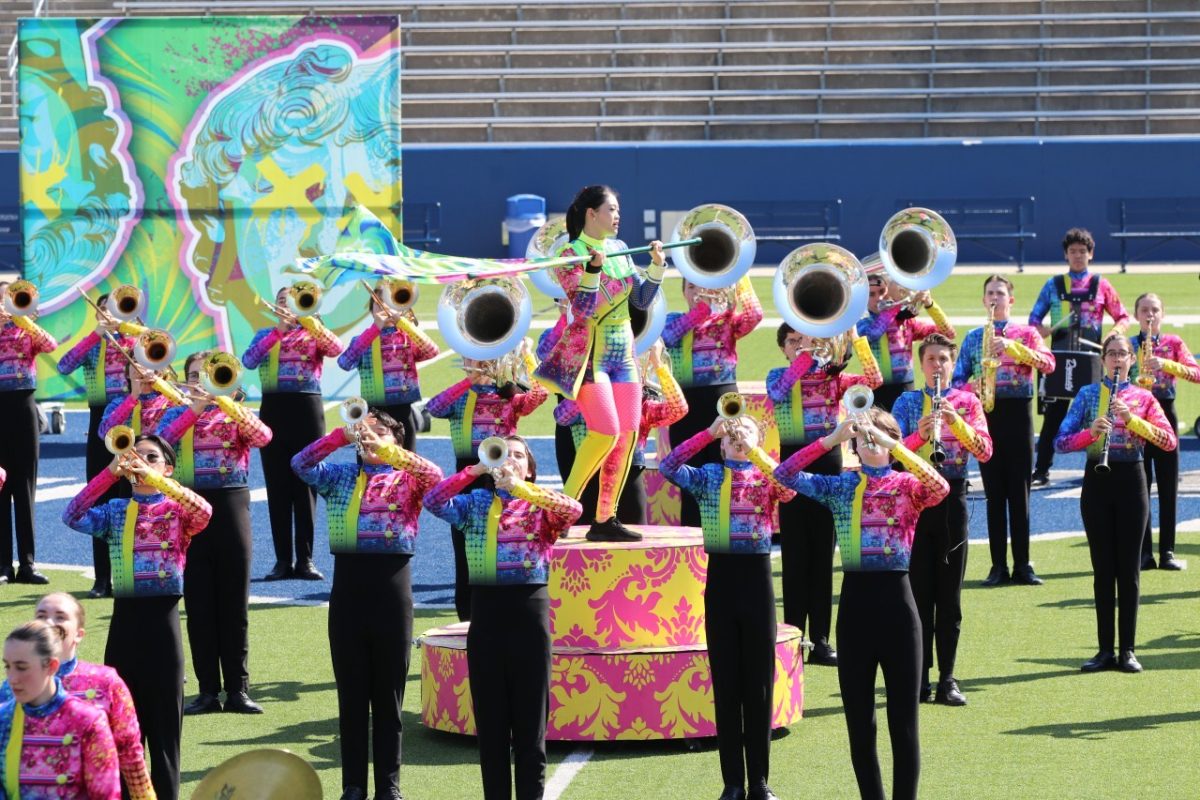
(1102, 729)
(1146, 600)
(315, 740)
(288, 691)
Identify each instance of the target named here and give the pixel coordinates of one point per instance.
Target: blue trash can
(526, 213)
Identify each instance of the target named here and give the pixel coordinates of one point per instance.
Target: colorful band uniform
(289, 365)
(148, 537)
(509, 536)
(891, 334)
(372, 511)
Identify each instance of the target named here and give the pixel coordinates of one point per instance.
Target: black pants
(885, 396)
(19, 457)
(1163, 465)
(1051, 421)
(1114, 507)
(458, 539)
(702, 409)
(146, 650)
(564, 448)
(739, 621)
(878, 627)
(806, 540)
(296, 421)
(508, 654)
(936, 570)
(370, 661)
(98, 458)
(216, 593)
(1006, 480)
(402, 413)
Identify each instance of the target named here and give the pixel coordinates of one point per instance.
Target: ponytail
(589, 197)
(46, 638)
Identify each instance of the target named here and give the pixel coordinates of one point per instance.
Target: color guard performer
(1113, 420)
(891, 326)
(1077, 303)
(476, 409)
(509, 531)
(55, 745)
(876, 512)
(213, 437)
(593, 362)
(805, 397)
(372, 509)
(737, 499)
(1160, 358)
(148, 537)
(997, 363)
(21, 341)
(290, 358)
(702, 344)
(939, 552)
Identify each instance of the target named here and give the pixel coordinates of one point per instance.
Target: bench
(791, 223)
(422, 225)
(1154, 218)
(987, 222)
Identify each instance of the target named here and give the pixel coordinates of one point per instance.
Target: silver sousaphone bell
(484, 318)
(726, 250)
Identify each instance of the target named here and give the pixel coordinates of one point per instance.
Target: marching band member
(737, 497)
(1007, 376)
(593, 363)
(702, 344)
(892, 329)
(148, 537)
(939, 551)
(1167, 358)
(55, 745)
(510, 531)
(373, 510)
(143, 406)
(213, 437)
(104, 378)
(1077, 303)
(876, 512)
(805, 399)
(1113, 420)
(290, 358)
(21, 341)
(99, 686)
(386, 355)
(476, 409)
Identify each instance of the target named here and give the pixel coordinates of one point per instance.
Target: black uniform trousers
(296, 420)
(1114, 507)
(216, 593)
(702, 410)
(806, 539)
(1052, 420)
(1163, 465)
(98, 458)
(458, 538)
(739, 622)
(508, 654)
(936, 570)
(402, 412)
(146, 650)
(885, 395)
(370, 661)
(878, 627)
(1006, 478)
(19, 458)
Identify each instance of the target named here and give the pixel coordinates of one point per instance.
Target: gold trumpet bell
(493, 452)
(155, 350)
(265, 774)
(221, 374)
(726, 250)
(20, 299)
(730, 405)
(119, 439)
(353, 410)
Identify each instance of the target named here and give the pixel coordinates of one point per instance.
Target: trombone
(20, 299)
(153, 352)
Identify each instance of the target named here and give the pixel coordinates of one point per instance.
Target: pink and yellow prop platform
(629, 660)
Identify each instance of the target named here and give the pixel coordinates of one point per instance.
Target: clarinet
(1102, 466)
(937, 455)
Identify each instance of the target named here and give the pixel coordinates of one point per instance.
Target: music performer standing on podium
(997, 362)
(1077, 303)
(593, 362)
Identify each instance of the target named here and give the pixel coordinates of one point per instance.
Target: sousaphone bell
(484, 318)
(726, 250)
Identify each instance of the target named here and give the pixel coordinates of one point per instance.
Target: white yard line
(566, 772)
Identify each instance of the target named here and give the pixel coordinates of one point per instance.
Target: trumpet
(221, 374)
(857, 400)
(119, 439)
(730, 406)
(353, 410)
(937, 453)
(20, 299)
(493, 452)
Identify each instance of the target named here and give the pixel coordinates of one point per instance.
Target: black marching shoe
(240, 703)
(1100, 662)
(823, 655)
(997, 576)
(205, 703)
(926, 694)
(1168, 562)
(733, 793)
(1148, 562)
(305, 571)
(1025, 576)
(611, 531)
(1128, 662)
(6, 576)
(30, 575)
(761, 792)
(1040, 479)
(280, 572)
(948, 693)
(392, 793)
(353, 793)
(100, 589)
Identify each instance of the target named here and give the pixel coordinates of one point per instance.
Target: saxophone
(1145, 379)
(989, 363)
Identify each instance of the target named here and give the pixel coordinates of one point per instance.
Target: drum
(1072, 369)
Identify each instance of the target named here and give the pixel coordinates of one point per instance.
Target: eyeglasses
(1118, 353)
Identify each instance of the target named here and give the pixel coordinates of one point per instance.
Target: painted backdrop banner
(197, 158)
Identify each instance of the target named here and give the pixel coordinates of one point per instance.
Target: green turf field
(1035, 727)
